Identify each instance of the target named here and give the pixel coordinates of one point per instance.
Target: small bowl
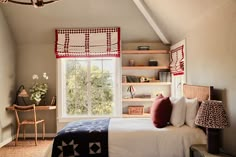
(143, 47)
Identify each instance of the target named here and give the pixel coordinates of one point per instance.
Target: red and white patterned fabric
(177, 61)
(88, 42)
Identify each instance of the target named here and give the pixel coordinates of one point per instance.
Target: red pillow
(161, 112)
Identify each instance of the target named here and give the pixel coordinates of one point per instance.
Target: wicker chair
(33, 121)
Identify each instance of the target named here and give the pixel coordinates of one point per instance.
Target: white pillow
(178, 111)
(191, 111)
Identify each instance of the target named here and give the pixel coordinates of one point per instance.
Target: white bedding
(137, 137)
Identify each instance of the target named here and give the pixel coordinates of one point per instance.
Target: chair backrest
(29, 108)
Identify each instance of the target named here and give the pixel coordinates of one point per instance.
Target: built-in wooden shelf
(145, 115)
(142, 68)
(145, 67)
(137, 99)
(145, 51)
(146, 83)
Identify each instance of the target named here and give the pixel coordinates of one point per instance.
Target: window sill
(71, 119)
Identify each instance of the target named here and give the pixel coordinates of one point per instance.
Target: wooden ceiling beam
(146, 13)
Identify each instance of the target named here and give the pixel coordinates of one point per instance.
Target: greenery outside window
(88, 87)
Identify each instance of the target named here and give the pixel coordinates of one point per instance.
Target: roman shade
(87, 42)
(177, 60)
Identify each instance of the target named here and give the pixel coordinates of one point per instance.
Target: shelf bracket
(146, 13)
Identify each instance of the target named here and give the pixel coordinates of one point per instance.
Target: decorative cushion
(177, 118)
(191, 111)
(161, 111)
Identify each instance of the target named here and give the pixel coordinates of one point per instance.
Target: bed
(138, 137)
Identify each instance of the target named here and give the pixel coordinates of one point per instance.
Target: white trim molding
(146, 13)
(6, 141)
(27, 135)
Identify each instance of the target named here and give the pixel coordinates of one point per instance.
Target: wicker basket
(135, 110)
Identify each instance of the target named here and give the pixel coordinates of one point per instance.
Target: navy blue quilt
(84, 138)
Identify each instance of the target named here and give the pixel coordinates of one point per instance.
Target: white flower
(35, 77)
(45, 75)
(39, 89)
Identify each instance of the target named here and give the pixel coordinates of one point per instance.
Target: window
(88, 72)
(88, 87)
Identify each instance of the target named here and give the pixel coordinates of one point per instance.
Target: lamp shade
(23, 93)
(211, 114)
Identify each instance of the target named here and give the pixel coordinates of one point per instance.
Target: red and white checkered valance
(177, 60)
(88, 42)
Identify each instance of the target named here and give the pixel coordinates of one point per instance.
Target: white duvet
(137, 137)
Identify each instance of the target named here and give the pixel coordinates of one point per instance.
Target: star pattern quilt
(84, 138)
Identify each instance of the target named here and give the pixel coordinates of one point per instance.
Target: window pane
(96, 66)
(108, 66)
(101, 95)
(101, 89)
(90, 87)
(76, 87)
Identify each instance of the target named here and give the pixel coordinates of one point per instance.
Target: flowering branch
(39, 89)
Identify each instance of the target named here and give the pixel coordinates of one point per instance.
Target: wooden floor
(25, 148)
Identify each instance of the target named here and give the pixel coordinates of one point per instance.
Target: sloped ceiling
(34, 26)
(174, 17)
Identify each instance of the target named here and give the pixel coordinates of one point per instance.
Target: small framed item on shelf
(53, 101)
(135, 110)
(124, 79)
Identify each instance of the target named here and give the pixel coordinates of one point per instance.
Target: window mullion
(89, 88)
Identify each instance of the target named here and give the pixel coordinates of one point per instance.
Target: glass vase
(37, 103)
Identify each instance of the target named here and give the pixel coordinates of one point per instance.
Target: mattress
(138, 137)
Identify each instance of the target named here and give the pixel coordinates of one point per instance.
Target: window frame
(60, 92)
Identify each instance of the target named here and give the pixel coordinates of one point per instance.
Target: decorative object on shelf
(132, 78)
(152, 62)
(132, 90)
(135, 110)
(131, 62)
(213, 117)
(124, 79)
(165, 76)
(142, 79)
(35, 3)
(159, 93)
(39, 89)
(143, 47)
(146, 79)
(21, 92)
(53, 101)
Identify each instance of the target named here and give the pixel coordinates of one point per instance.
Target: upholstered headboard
(199, 92)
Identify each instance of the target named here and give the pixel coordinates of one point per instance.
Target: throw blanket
(85, 138)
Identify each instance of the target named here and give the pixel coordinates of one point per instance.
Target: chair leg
(43, 126)
(36, 135)
(24, 132)
(17, 134)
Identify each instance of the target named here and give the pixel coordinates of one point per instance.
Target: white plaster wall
(211, 55)
(7, 79)
(37, 59)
